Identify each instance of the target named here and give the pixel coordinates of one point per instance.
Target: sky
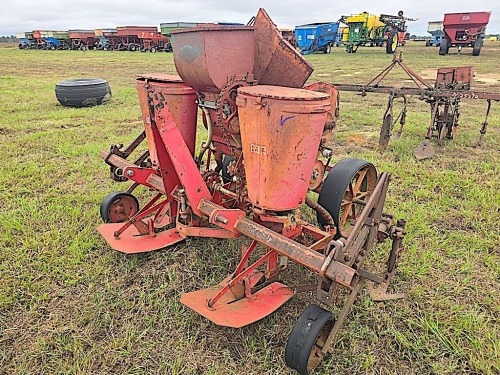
(27, 15)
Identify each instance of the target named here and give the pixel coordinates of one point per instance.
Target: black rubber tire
(52, 47)
(303, 337)
(476, 49)
(327, 48)
(153, 49)
(132, 47)
(390, 48)
(335, 185)
(226, 159)
(105, 209)
(428, 43)
(443, 47)
(83, 92)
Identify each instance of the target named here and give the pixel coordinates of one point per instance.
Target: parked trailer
(403, 36)
(464, 30)
(153, 42)
(38, 38)
(25, 40)
(108, 39)
(60, 39)
(166, 27)
(289, 36)
(129, 36)
(435, 28)
(52, 40)
(83, 39)
(315, 37)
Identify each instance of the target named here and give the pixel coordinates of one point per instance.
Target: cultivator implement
(445, 96)
(266, 155)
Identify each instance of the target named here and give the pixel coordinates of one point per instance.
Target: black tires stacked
(83, 92)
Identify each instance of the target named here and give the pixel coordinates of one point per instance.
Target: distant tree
(8, 39)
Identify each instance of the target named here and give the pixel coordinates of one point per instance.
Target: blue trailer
(435, 28)
(315, 37)
(52, 43)
(24, 43)
(24, 40)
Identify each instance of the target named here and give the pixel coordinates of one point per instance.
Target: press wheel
(118, 207)
(303, 348)
(348, 185)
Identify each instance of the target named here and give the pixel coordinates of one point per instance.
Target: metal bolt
(130, 173)
(221, 219)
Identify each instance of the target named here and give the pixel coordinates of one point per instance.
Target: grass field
(70, 304)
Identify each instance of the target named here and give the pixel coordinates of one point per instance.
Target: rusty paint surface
(231, 313)
(276, 61)
(181, 108)
(463, 28)
(205, 57)
(130, 242)
(188, 231)
(458, 78)
(281, 130)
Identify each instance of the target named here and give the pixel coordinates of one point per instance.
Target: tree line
(8, 39)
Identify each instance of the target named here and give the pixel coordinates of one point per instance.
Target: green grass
(70, 304)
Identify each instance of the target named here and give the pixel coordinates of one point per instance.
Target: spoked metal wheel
(118, 207)
(303, 348)
(345, 192)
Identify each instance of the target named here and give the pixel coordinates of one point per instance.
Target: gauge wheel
(118, 207)
(348, 184)
(303, 348)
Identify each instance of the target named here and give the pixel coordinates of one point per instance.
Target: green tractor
(374, 30)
